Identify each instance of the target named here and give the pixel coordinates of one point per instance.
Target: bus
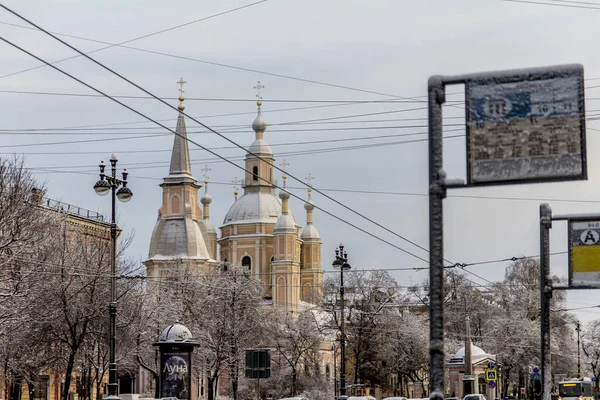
(575, 389)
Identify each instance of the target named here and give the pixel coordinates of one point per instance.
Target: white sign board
(525, 128)
(584, 254)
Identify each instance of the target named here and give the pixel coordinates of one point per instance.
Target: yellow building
(258, 232)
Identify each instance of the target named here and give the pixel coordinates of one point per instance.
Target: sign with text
(526, 127)
(584, 254)
(175, 374)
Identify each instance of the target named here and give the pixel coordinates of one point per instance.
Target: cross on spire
(235, 182)
(258, 87)
(309, 179)
(181, 82)
(284, 164)
(205, 172)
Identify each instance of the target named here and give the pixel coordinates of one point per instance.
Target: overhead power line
(214, 99)
(569, 4)
(189, 140)
(110, 45)
(215, 132)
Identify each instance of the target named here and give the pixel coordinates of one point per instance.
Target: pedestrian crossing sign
(490, 375)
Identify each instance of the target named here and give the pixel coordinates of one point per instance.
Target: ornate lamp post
(341, 263)
(118, 189)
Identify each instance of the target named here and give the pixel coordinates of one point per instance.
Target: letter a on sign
(584, 251)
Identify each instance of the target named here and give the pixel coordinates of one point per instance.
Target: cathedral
(259, 232)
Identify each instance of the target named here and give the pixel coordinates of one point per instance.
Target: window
(175, 204)
(247, 262)
(225, 265)
(254, 173)
(327, 372)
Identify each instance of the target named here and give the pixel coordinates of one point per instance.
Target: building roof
(180, 156)
(255, 206)
(176, 238)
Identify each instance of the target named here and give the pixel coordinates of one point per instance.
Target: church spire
(309, 233)
(180, 157)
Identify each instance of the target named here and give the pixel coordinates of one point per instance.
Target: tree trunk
(210, 382)
(234, 380)
(68, 375)
(15, 390)
(294, 381)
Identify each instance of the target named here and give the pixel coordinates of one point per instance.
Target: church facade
(259, 232)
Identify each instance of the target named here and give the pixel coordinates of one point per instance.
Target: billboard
(175, 374)
(526, 127)
(584, 254)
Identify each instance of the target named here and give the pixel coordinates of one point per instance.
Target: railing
(73, 210)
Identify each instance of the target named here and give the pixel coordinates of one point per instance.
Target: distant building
(479, 360)
(259, 231)
(80, 222)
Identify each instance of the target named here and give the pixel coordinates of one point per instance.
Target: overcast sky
(386, 46)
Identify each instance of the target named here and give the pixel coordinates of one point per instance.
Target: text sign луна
(584, 253)
(526, 127)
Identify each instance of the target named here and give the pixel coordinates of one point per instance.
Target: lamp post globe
(124, 194)
(102, 187)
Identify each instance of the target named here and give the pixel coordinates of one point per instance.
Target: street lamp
(118, 188)
(341, 263)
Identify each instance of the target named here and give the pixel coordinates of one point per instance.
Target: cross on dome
(309, 180)
(235, 182)
(258, 87)
(284, 164)
(180, 82)
(205, 172)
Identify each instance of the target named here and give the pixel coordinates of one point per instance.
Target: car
(451, 398)
(474, 397)
(294, 398)
(361, 398)
(395, 398)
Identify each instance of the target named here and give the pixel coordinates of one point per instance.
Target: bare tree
(296, 339)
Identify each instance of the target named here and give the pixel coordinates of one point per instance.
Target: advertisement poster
(175, 374)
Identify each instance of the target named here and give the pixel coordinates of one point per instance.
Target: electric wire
(217, 133)
(195, 143)
(110, 45)
(574, 5)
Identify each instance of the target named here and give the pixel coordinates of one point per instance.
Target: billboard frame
(531, 75)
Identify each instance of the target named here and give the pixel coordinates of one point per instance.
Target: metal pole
(112, 364)
(545, 296)
(437, 192)
(342, 335)
(578, 351)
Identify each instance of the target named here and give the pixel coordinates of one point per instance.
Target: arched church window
(255, 173)
(247, 262)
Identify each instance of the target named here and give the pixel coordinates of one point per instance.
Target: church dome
(261, 148)
(176, 333)
(206, 199)
(177, 238)
(309, 232)
(254, 207)
(475, 352)
(259, 124)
